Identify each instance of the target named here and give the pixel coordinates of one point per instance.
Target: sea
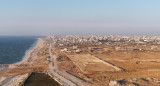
(13, 48)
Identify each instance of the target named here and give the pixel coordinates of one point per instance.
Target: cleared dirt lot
(88, 63)
(134, 61)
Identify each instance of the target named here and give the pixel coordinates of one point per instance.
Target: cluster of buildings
(75, 44)
(97, 39)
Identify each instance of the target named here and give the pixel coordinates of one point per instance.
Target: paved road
(56, 72)
(66, 78)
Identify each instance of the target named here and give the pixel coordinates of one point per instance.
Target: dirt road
(65, 78)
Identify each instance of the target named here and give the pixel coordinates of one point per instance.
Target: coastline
(23, 57)
(2, 68)
(18, 71)
(26, 51)
(34, 60)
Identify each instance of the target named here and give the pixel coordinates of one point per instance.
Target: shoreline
(3, 68)
(28, 53)
(25, 53)
(28, 50)
(31, 60)
(30, 63)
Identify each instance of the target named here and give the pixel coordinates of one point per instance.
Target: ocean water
(13, 49)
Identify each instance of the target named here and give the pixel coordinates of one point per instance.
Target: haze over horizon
(83, 17)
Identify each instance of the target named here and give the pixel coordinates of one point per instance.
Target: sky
(80, 17)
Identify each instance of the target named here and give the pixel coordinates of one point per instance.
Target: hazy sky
(61, 17)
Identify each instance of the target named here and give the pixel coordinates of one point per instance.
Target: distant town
(96, 60)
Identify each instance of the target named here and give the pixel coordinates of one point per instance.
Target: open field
(133, 61)
(109, 63)
(85, 64)
(89, 63)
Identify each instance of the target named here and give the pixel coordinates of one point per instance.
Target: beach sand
(35, 60)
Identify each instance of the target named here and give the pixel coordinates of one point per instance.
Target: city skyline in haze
(82, 17)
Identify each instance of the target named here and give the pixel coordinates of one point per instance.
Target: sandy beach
(35, 60)
(41, 58)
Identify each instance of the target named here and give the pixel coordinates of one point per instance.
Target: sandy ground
(87, 63)
(34, 61)
(62, 76)
(40, 58)
(140, 67)
(13, 80)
